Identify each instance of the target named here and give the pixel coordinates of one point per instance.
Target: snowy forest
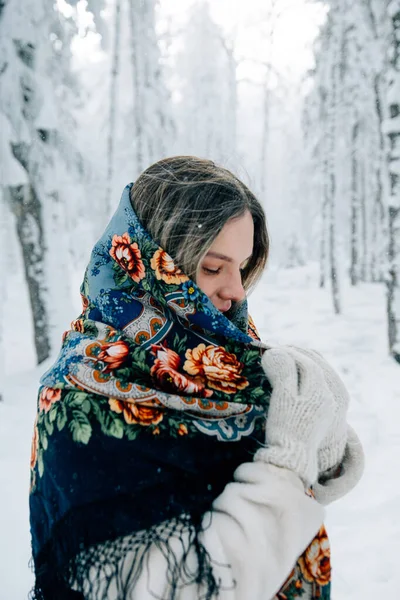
(320, 147)
(300, 99)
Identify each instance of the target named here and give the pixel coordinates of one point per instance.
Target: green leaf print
(120, 276)
(48, 426)
(86, 406)
(53, 414)
(117, 429)
(43, 440)
(80, 427)
(132, 432)
(61, 417)
(40, 463)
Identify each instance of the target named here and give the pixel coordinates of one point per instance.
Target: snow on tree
(151, 106)
(206, 112)
(366, 166)
(39, 160)
(391, 128)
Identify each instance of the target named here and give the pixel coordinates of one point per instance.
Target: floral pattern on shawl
(312, 575)
(149, 353)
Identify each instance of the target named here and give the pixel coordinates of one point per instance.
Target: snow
(11, 172)
(288, 307)
(393, 8)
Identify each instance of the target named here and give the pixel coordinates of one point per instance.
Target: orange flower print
(113, 354)
(220, 369)
(136, 413)
(34, 446)
(48, 396)
(315, 563)
(128, 256)
(85, 302)
(182, 429)
(165, 268)
(252, 329)
(77, 325)
(165, 370)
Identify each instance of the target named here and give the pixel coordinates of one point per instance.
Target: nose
(233, 289)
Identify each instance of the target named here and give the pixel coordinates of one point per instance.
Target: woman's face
(219, 274)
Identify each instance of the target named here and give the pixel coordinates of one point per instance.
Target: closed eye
(211, 271)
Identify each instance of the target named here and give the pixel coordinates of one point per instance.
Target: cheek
(206, 284)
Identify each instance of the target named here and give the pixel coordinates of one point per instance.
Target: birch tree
(392, 130)
(151, 102)
(326, 96)
(206, 71)
(33, 87)
(115, 65)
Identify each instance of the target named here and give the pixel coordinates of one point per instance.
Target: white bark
(392, 130)
(135, 14)
(34, 81)
(113, 106)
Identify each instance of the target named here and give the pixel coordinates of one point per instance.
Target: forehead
(236, 238)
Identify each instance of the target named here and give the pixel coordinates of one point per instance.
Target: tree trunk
(379, 221)
(332, 121)
(332, 244)
(27, 209)
(134, 22)
(365, 250)
(324, 219)
(113, 106)
(264, 140)
(354, 216)
(393, 131)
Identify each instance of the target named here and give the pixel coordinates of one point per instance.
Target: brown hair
(185, 201)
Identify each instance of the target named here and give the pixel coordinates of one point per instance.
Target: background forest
(301, 99)
(93, 91)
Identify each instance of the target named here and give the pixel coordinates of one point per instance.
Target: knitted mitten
(333, 445)
(300, 412)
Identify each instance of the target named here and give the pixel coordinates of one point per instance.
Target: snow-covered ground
(364, 527)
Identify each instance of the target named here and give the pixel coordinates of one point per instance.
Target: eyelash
(210, 271)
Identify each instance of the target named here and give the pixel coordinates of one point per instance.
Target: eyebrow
(224, 257)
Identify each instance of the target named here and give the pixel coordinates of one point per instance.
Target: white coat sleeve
(260, 524)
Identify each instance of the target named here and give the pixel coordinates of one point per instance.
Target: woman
(155, 472)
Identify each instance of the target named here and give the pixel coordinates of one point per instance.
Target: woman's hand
(331, 451)
(300, 414)
(340, 455)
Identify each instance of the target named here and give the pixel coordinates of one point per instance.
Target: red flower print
(113, 354)
(128, 256)
(48, 396)
(165, 370)
(182, 429)
(85, 302)
(34, 446)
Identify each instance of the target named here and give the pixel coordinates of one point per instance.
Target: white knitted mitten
(352, 468)
(333, 445)
(300, 412)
